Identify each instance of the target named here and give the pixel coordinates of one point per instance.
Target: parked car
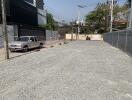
(25, 43)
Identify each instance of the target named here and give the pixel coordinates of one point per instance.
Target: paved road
(82, 70)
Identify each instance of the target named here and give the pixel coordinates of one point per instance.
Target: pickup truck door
(32, 42)
(36, 42)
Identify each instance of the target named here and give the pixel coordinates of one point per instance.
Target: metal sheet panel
(129, 42)
(120, 39)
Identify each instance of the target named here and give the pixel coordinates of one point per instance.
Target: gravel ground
(81, 70)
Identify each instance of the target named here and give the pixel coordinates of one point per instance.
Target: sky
(67, 9)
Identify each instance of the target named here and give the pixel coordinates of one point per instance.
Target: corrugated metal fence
(1, 41)
(120, 39)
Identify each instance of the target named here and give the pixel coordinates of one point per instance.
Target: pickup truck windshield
(23, 39)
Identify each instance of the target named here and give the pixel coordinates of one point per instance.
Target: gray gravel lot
(81, 70)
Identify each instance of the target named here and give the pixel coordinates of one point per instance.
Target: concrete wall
(52, 35)
(83, 36)
(11, 32)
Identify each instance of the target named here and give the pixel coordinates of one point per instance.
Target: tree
(50, 22)
(98, 19)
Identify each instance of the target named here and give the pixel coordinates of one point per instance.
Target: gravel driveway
(81, 70)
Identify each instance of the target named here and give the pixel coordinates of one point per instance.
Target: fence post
(112, 38)
(118, 40)
(126, 41)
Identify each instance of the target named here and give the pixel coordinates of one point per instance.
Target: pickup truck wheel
(25, 49)
(41, 45)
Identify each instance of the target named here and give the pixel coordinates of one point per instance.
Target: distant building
(120, 21)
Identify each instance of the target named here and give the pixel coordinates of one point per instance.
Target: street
(79, 70)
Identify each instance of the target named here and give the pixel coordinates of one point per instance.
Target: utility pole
(72, 31)
(131, 14)
(78, 28)
(79, 6)
(34, 3)
(130, 18)
(107, 16)
(111, 21)
(4, 29)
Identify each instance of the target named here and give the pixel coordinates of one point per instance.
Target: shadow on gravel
(21, 53)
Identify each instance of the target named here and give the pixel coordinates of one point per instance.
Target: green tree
(50, 22)
(98, 19)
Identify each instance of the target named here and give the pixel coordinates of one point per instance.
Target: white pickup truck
(25, 43)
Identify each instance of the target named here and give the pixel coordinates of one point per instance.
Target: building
(120, 21)
(40, 10)
(28, 12)
(24, 16)
(37, 3)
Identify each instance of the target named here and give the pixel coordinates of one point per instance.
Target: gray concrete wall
(52, 35)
